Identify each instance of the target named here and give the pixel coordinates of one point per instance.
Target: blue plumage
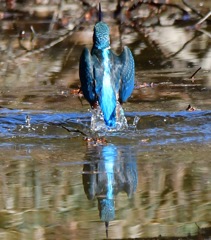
(105, 77)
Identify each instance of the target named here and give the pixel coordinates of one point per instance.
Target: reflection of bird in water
(114, 171)
(105, 77)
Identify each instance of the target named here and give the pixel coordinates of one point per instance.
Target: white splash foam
(98, 124)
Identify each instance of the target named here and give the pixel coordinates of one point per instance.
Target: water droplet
(135, 121)
(28, 119)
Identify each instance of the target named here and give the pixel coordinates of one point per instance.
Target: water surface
(156, 173)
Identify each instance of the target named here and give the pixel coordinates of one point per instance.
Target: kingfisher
(106, 78)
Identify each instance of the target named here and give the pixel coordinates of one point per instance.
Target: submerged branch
(75, 131)
(195, 73)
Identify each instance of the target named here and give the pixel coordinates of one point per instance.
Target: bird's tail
(109, 113)
(107, 103)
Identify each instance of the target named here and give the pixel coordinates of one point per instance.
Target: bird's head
(107, 211)
(101, 38)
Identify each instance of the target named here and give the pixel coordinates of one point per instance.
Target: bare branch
(195, 73)
(192, 8)
(61, 38)
(74, 130)
(134, 6)
(203, 19)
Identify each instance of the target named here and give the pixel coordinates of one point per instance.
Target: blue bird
(105, 77)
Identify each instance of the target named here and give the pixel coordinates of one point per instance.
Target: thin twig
(74, 130)
(183, 47)
(203, 19)
(134, 6)
(70, 129)
(195, 73)
(56, 15)
(33, 35)
(192, 8)
(204, 32)
(79, 21)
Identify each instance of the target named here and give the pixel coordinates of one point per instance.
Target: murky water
(155, 174)
(161, 170)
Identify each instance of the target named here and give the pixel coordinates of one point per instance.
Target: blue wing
(127, 75)
(86, 76)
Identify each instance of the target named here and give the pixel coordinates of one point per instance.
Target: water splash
(135, 122)
(152, 128)
(27, 125)
(28, 121)
(98, 123)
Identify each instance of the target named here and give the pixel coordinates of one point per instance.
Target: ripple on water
(151, 127)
